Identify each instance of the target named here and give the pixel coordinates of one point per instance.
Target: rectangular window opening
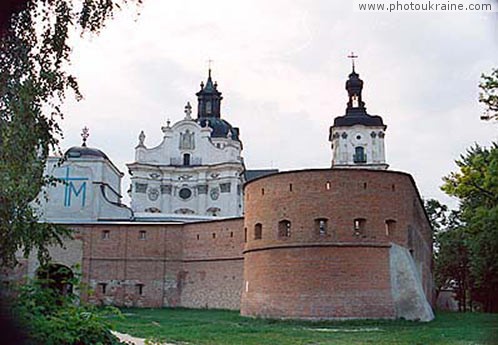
(142, 235)
(106, 234)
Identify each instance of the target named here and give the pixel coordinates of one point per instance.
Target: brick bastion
(336, 243)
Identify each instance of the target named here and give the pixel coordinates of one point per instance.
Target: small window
(327, 185)
(359, 226)
(262, 191)
(198, 236)
(290, 187)
(245, 234)
(258, 231)
(142, 235)
(359, 155)
(321, 226)
(106, 234)
(231, 233)
(103, 288)
(364, 185)
(390, 226)
(284, 228)
(214, 235)
(393, 187)
(186, 159)
(140, 289)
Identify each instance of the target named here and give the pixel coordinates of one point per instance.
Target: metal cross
(352, 57)
(85, 133)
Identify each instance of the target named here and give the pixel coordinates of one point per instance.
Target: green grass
(220, 327)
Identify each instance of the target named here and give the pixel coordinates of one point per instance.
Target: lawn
(220, 327)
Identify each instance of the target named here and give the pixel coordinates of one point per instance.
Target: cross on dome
(85, 133)
(352, 57)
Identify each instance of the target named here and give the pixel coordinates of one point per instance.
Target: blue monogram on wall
(76, 186)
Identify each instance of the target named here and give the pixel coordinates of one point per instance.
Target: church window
(390, 226)
(185, 193)
(359, 226)
(321, 226)
(166, 189)
(209, 107)
(355, 100)
(106, 234)
(225, 187)
(186, 159)
(103, 288)
(258, 231)
(284, 228)
(359, 155)
(142, 235)
(140, 187)
(140, 289)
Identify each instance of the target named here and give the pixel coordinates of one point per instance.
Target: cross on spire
(209, 61)
(85, 133)
(352, 57)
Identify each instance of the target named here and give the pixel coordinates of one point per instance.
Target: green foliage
(34, 55)
(476, 186)
(220, 327)
(489, 94)
(52, 318)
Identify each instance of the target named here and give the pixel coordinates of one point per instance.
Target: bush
(51, 316)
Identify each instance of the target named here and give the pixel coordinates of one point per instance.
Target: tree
(476, 185)
(34, 55)
(489, 95)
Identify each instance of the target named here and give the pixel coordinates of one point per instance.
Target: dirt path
(132, 340)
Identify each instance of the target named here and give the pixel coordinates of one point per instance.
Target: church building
(347, 241)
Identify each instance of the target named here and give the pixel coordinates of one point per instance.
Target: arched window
(359, 155)
(186, 159)
(284, 228)
(390, 226)
(209, 107)
(360, 227)
(258, 231)
(321, 226)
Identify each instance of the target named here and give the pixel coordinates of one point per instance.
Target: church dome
(83, 151)
(220, 127)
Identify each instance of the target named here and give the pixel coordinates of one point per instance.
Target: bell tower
(357, 137)
(209, 99)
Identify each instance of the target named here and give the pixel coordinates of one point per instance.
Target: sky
(282, 67)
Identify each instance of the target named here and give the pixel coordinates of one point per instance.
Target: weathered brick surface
(286, 276)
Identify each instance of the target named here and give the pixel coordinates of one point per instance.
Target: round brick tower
(318, 243)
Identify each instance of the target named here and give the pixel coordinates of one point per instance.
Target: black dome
(83, 151)
(220, 127)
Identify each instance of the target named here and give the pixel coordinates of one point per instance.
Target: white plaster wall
(370, 138)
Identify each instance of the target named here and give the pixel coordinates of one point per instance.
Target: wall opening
(359, 227)
(142, 235)
(245, 234)
(140, 289)
(214, 235)
(327, 185)
(390, 227)
(321, 226)
(262, 191)
(103, 288)
(106, 234)
(284, 228)
(258, 231)
(290, 187)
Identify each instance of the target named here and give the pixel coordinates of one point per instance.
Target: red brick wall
(318, 283)
(169, 264)
(341, 196)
